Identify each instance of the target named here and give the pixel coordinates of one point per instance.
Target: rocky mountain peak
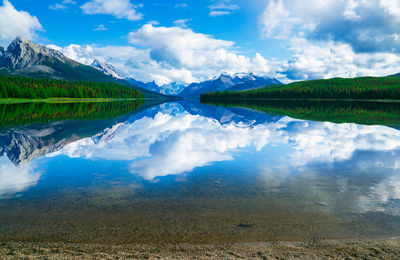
(226, 81)
(22, 53)
(106, 68)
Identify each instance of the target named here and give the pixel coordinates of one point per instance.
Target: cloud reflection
(14, 178)
(167, 144)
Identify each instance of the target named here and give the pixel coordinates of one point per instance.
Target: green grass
(337, 88)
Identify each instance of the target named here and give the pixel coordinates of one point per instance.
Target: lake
(185, 172)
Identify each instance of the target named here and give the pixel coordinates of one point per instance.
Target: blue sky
(192, 40)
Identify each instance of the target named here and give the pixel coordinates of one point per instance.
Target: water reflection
(15, 179)
(159, 142)
(236, 162)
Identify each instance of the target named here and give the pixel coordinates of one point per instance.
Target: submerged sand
(325, 249)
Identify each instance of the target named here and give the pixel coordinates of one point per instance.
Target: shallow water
(188, 172)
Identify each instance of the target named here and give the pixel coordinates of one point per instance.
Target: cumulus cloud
(198, 53)
(367, 26)
(315, 60)
(178, 46)
(345, 38)
(170, 54)
(118, 8)
(15, 23)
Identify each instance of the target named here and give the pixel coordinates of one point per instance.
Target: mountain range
(239, 81)
(23, 57)
(167, 89)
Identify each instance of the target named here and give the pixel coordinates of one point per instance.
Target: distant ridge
(239, 81)
(166, 89)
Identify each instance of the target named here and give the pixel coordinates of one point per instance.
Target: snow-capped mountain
(106, 68)
(167, 89)
(239, 81)
(172, 88)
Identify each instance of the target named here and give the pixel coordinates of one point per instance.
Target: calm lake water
(188, 172)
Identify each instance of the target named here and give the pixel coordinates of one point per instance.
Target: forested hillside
(337, 88)
(34, 88)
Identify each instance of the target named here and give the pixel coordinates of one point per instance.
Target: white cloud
(345, 38)
(15, 23)
(57, 7)
(101, 27)
(219, 13)
(118, 8)
(62, 5)
(314, 60)
(198, 53)
(177, 46)
(170, 54)
(182, 22)
(220, 9)
(367, 26)
(175, 54)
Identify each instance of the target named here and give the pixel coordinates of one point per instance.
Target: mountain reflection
(333, 167)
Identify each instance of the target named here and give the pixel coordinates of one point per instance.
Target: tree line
(41, 88)
(337, 88)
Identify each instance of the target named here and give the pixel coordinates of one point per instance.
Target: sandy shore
(327, 249)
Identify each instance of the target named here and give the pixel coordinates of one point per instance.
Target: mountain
(151, 86)
(166, 89)
(106, 68)
(23, 57)
(172, 88)
(241, 81)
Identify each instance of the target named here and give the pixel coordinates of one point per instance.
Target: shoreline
(315, 249)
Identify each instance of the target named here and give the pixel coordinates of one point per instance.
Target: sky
(188, 41)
